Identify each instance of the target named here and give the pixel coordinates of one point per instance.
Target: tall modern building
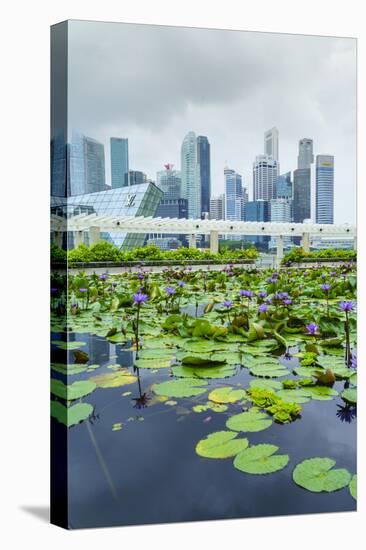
(94, 165)
(234, 207)
(271, 143)
(190, 173)
(306, 157)
(258, 211)
(86, 165)
(170, 182)
(217, 207)
(283, 187)
(302, 181)
(265, 172)
(119, 162)
(203, 159)
(324, 177)
(135, 177)
(280, 212)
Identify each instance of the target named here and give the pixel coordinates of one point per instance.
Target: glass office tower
(119, 162)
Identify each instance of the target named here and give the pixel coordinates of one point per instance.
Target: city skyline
(228, 91)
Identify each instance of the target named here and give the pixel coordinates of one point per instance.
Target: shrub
(58, 254)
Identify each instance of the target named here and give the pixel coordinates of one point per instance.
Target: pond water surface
(149, 472)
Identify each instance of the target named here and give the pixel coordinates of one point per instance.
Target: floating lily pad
(250, 421)
(349, 395)
(353, 487)
(190, 358)
(222, 444)
(264, 384)
(201, 346)
(210, 406)
(114, 379)
(153, 363)
(73, 391)
(230, 357)
(318, 475)
(69, 369)
(321, 393)
(162, 354)
(270, 371)
(226, 395)
(260, 459)
(220, 371)
(69, 416)
(69, 345)
(185, 387)
(294, 396)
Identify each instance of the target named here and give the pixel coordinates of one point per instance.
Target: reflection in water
(347, 412)
(142, 400)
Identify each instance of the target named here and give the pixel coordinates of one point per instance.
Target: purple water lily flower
(287, 302)
(263, 308)
(246, 293)
(228, 304)
(54, 290)
(140, 276)
(262, 294)
(325, 287)
(83, 290)
(353, 362)
(103, 276)
(346, 305)
(181, 284)
(170, 290)
(312, 329)
(140, 298)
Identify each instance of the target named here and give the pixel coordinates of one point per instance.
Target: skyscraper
(283, 187)
(280, 212)
(306, 156)
(265, 172)
(271, 143)
(302, 181)
(234, 207)
(86, 170)
(217, 207)
(324, 189)
(94, 165)
(203, 159)
(119, 162)
(136, 177)
(170, 182)
(257, 211)
(190, 173)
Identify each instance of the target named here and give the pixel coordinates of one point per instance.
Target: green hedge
(104, 251)
(299, 255)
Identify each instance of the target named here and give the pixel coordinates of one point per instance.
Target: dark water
(148, 472)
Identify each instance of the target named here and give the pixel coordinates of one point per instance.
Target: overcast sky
(153, 84)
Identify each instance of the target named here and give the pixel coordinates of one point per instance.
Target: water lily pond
(196, 395)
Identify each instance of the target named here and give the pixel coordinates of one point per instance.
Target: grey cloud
(153, 84)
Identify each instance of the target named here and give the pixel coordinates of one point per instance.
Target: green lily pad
(250, 421)
(190, 358)
(222, 444)
(294, 396)
(226, 395)
(220, 371)
(153, 363)
(114, 379)
(318, 475)
(321, 393)
(353, 487)
(69, 369)
(185, 387)
(69, 416)
(68, 345)
(349, 395)
(73, 391)
(201, 346)
(230, 357)
(162, 354)
(270, 371)
(264, 384)
(260, 459)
